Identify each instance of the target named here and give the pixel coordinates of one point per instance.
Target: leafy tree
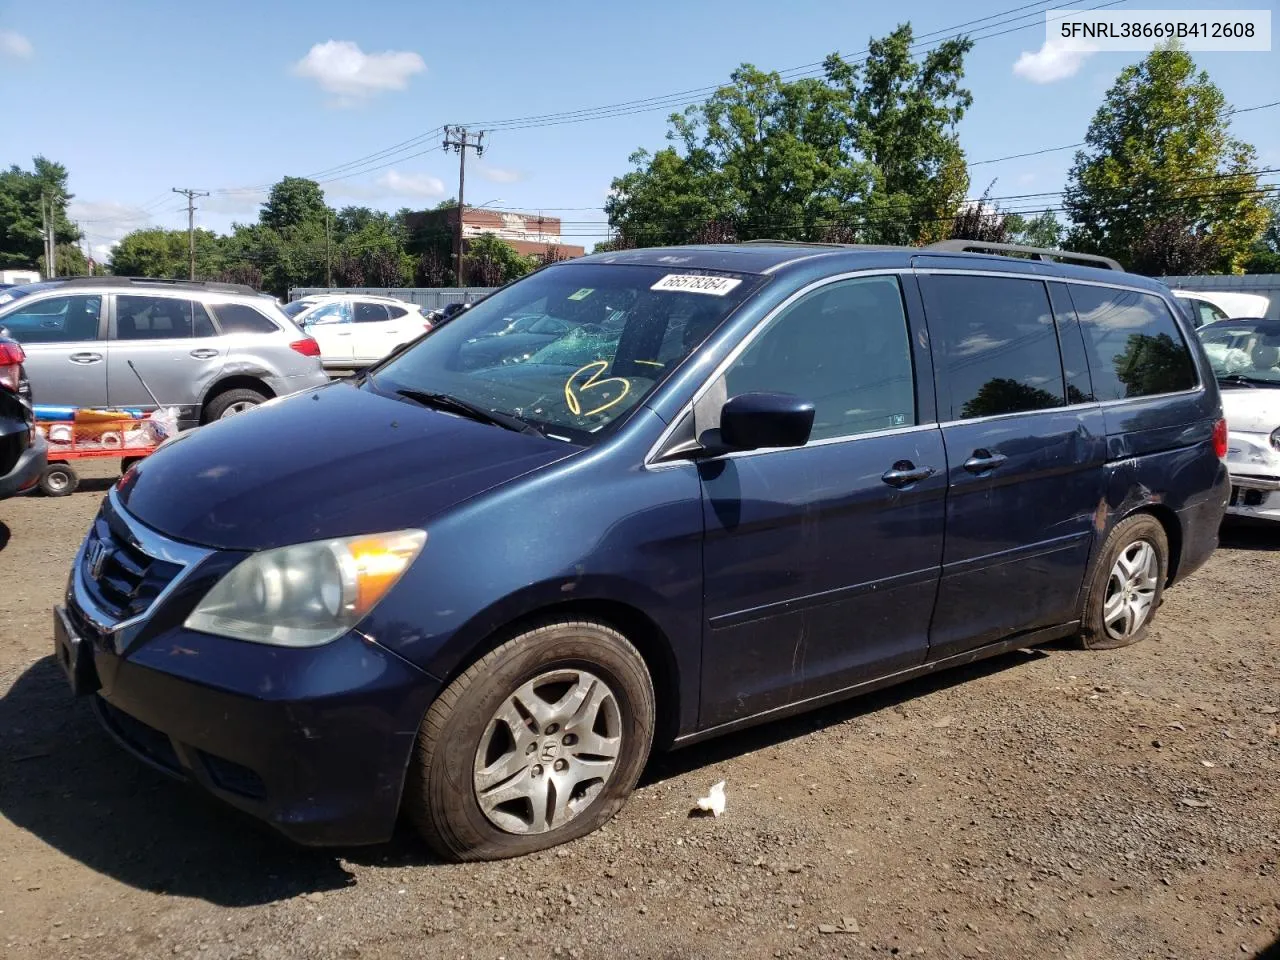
(491, 261)
(294, 202)
(1172, 246)
(431, 269)
(21, 223)
(1159, 150)
(1044, 230)
(981, 220)
(871, 157)
(156, 252)
(1265, 256)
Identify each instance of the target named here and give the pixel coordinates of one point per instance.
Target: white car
(1245, 355)
(1207, 306)
(356, 331)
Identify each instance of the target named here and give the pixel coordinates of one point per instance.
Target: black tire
(217, 407)
(440, 794)
(1140, 528)
(58, 480)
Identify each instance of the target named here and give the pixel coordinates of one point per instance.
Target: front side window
(1135, 346)
(845, 348)
(337, 312)
(999, 344)
(161, 318)
(55, 320)
(602, 337)
(1244, 353)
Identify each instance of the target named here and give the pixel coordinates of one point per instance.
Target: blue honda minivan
(480, 584)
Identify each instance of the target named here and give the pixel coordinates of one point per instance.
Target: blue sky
(136, 96)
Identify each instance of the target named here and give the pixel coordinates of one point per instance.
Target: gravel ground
(1049, 803)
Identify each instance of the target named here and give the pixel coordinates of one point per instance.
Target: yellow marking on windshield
(572, 393)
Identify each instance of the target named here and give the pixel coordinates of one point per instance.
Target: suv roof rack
(1035, 253)
(823, 243)
(154, 281)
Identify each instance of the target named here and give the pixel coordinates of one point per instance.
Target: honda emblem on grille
(96, 556)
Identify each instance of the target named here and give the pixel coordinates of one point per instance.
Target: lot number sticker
(695, 283)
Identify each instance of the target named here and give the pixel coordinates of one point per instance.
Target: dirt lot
(1051, 803)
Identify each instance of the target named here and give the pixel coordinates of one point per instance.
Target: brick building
(528, 233)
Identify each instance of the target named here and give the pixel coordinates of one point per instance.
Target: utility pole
(462, 140)
(328, 261)
(44, 235)
(191, 222)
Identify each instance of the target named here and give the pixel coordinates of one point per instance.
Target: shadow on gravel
(63, 780)
(682, 761)
(67, 783)
(1237, 534)
(5, 535)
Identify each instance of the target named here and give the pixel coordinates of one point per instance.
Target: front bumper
(315, 742)
(26, 472)
(1255, 497)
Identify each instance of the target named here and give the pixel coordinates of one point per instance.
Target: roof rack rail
(1035, 253)
(154, 281)
(825, 243)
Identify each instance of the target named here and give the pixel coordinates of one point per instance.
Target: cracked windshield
(570, 350)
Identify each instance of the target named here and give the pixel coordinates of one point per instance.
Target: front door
(1025, 444)
(162, 346)
(821, 563)
(66, 355)
(332, 329)
(374, 332)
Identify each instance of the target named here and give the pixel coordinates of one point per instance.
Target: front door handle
(984, 461)
(204, 353)
(904, 473)
(86, 358)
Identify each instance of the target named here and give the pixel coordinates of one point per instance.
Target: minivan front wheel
(1127, 584)
(537, 743)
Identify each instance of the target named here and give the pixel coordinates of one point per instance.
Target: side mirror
(755, 421)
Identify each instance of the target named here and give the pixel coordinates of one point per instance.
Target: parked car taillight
(1220, 439)
(307, 347)
(11, 356)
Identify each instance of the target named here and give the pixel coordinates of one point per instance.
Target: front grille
(127, 580)
(143, 739)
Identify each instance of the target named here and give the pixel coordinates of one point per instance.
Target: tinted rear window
(238, 318)
(1000, 347)
(1135, 347)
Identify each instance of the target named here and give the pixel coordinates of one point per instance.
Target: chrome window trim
(153, 545)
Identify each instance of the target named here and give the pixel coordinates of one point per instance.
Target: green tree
(156, 252)
(870, 156)
(294, 202)
(21, 223)
(491, 261)
(1159, 149)
(1044, 230)
(1265, 256)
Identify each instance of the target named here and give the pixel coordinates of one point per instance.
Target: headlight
(1275, 439)
(307, 594)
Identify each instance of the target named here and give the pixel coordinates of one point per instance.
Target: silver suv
(210, 349)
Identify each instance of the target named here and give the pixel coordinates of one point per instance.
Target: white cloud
(1051, 63)
(14, 45)
(234, 202)
(342, 68)
(499, 174)
(105, 222)
(398, 184)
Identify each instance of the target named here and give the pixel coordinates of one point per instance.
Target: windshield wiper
(443, 401)
(1246, 380)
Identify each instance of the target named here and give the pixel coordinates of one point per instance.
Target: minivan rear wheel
(1127, 585)
(539, 742)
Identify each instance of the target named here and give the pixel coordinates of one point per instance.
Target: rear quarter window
(241, 318)
(1134, 345)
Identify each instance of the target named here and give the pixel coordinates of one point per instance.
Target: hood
(333, 462)
(1251, 411)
